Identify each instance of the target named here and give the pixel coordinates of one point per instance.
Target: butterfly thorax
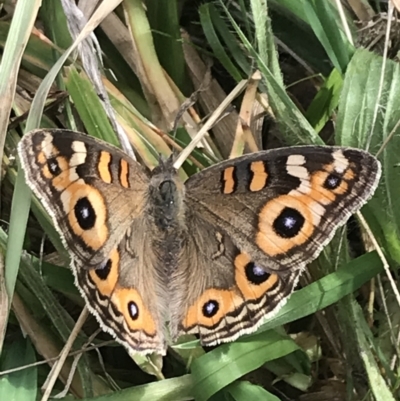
(166, 193)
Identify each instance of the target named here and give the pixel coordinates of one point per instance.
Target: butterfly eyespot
(210, 308)
(289, 223)
(53, 166)
(133, 310)
(85, 214)
(256, 274)
(332, 181)
(104, 269)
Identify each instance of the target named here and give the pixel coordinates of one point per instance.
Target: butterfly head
(166, 193)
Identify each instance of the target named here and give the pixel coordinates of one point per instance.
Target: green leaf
(22, 384)
(325, 102)
(326, 26)
(89, 107)
(214, 41)
(377, 382)
(327, 290)
(369, 111)
(176, 389)
(244, 391)
(220, 367)
(295, 127)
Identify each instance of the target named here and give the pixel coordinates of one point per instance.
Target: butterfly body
(215, 256)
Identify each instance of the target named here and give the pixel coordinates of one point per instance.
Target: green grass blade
(328, 290)
(230, 41)
(244, 391)
(369, 111)
(176, 389)
(164, 21)
(89, 106)
(295, 127)
(20, 385)
(22, 23)
(325, 25)
(214, 41)
(265, 38)
(222, 366)
(377, 383)
(326, 101)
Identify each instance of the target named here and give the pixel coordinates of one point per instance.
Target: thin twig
(56, 369)
(210, 122)
(381, 255)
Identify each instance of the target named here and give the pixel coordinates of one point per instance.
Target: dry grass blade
(346, 27)
(90, 54)
(53, 376)
(243, 133)
(210, 97)
(396, 4)
(210, 122)
(154, 82)
(44, 345)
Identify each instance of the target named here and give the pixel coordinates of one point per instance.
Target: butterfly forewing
(70, 173)
(282, 206)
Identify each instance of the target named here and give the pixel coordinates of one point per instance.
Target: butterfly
(215, 256)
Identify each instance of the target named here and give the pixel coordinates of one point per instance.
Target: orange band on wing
(66, 177)
(229, 180)
(103, 166)
(106, 278)
(124, 173)
(260, 176)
